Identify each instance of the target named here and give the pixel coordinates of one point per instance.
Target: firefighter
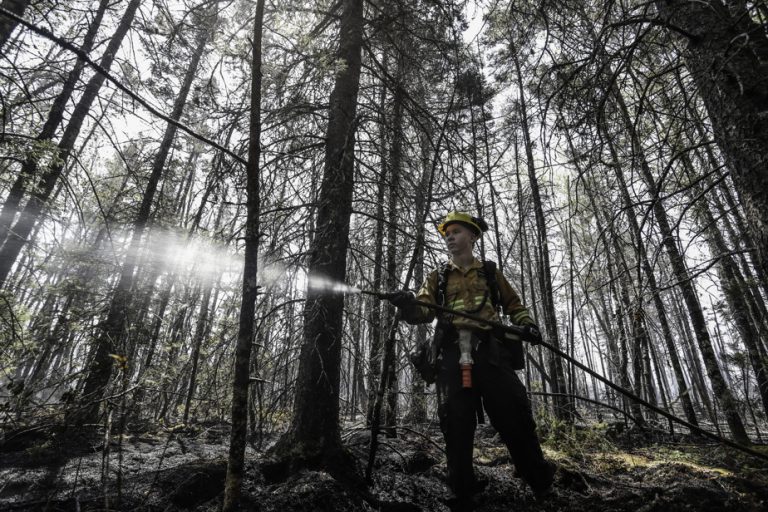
(474, 366)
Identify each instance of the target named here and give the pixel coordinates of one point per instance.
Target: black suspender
(489, 272)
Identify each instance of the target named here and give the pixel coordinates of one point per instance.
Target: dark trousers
(505, 401)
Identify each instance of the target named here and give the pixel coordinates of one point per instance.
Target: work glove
(402, 299)
(532, 334)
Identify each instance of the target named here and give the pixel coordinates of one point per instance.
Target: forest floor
(600, 468)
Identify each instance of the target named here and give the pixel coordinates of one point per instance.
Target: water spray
(327, 285)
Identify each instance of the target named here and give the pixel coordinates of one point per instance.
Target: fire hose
(519, 331)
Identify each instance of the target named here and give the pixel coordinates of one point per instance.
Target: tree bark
(240, 382)
(32, 210)
(7, 25)
(314, 436)
(726, 53)
(112, 330)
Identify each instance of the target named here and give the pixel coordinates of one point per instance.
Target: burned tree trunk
(240, 384)
(197, 342)
(52, 122)
(681, 273)
(734, 288)
(417, 413)
(375, 355)
(565, 408)
(637, 237)
(389, 366)
(314, 437)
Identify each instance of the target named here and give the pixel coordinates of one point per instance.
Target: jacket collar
(475, 264)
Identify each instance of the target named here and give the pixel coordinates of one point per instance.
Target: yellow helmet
(476, 224)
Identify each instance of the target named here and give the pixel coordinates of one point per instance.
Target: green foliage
(13, 318)
(575, 441)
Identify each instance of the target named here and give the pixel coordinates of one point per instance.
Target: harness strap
(488, 271)
(442, 284)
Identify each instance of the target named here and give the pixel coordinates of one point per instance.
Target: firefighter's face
(459, 239)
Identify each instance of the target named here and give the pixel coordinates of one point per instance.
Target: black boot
(461, 504)
(542, 488)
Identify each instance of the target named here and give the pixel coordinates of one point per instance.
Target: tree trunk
(740, 236)
(565, 408)
(240, 381)
(623, 312)
(669, 241)
(417, 412)
(197, 342)
(726, 54)
(389, 363)
(357, 383)
(55, 116)
(112, 331)
(314, 436)
(175, 337)
(375, 330)
(695, 371)
(642, 344)
(617, 353)
(154, 336)
(733, 286)
(7, 25)
(661, 311)
(21, 230)
(753, 296)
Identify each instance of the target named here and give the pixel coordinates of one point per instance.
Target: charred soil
(162, 469)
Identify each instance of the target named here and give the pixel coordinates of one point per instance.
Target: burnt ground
(171, 470)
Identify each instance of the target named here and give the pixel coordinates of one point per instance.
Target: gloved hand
(532, 334)
(402, 299)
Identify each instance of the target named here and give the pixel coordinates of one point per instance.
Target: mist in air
(326, 285)
(211, 259)
(207, 258)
